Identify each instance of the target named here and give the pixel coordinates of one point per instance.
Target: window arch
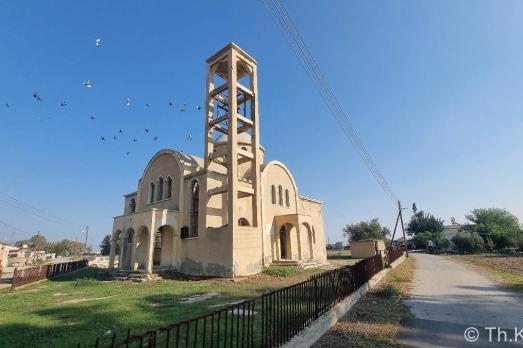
(151, 192)
(287, 199)
(168, 187)
(273, 194)
(160, 189)
(243, 222)
(195, 200)
(132, 205)
(280, 195)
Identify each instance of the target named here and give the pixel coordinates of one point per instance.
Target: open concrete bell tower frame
(232, 110)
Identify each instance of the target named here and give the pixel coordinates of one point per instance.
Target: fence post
(316, 299)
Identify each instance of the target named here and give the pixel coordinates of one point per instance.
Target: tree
(36, 242)
(371, 229)
(421, 240)
(470, 242)
(67, 247)
(425, 228)
(497, 224)
(105, 247)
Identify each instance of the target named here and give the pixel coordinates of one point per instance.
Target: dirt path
(447, 298)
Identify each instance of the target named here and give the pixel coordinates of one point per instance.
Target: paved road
(448, 297)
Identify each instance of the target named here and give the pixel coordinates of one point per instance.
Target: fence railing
(34, 274)
(266, 321)
(393, 255)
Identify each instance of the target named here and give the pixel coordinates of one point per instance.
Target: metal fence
(267, 321)
(34, 274)
(393, 255)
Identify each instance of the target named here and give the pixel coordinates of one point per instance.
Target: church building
(229, 213)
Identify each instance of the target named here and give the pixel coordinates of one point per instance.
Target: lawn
(375, 319)
(340, 257)
(508, 269)
(79, 307)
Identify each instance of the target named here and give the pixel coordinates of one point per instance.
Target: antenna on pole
(86, 236)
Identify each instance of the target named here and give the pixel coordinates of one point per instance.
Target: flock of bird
(128, 102)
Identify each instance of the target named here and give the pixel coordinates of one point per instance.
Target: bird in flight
(120, 131)
(63, 104)
(92, 118)
(135, 140)
(88, 84)
(7, 105)
(146, 130)
(184, 108)
(102, 138)
(147, 105)
(114, 137)
(97, 42)
(37, 96)
(128, 101)
(155, 138)
(171, 104)
(189, 136)
(128, 153)
(198, 107)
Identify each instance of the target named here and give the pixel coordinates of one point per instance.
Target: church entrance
(283, 243)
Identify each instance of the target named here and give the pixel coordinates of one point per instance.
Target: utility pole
(399, 219)
(86, 235)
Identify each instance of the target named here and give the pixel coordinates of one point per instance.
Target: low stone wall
(310, 335)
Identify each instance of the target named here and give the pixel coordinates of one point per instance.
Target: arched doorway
(309, 249)
(141, 247)
(284, 243)
(163, 254)
(127, 249)
(115, 243)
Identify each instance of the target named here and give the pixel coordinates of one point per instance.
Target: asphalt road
(447, 298)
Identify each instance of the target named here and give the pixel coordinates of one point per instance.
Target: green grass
(54, 314)
(338, 254)
(282, 271)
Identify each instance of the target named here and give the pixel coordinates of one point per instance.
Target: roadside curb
(313, 333)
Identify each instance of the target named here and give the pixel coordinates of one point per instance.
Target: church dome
(243, 138)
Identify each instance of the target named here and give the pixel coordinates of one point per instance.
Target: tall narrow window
(287, 200)
(160, 189)
(273, 194)
(195, 199)
(151, 193)
(168, 187)
(132, 205)
(280, 195)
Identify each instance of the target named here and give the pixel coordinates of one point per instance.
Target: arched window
(130, 237)
(243, 222)
(132, 205)
(151, 193)
(168, 187)
(195, 200)
(273, 194)
(160, 189)
(287, 200)
(280, 195)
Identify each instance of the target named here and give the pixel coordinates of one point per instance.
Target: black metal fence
(34, 274)
(267, 321)
(393, 255)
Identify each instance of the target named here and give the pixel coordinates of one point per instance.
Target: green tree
(470, 242)
(421, 240)
(67, 247)
(36, 242)
(371, 229)
(425, 227)
(105, 247)
(497, 224)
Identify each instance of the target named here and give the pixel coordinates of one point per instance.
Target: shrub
(387, 291)
(469, 242)
(281, 271)
(508, 251)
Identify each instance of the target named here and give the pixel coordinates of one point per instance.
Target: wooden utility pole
(399, 219)
(86, 235)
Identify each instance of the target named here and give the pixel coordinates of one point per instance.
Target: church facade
(229, 213)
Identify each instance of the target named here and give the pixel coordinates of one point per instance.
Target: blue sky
(434, 89)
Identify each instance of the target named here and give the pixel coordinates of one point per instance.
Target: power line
(36, 211)
(288, 29)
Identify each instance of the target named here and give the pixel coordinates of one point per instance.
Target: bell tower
(232, 145)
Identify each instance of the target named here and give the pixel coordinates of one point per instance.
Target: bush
(387, 291)
(508, 251)
(282, 271)
(468, 242)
